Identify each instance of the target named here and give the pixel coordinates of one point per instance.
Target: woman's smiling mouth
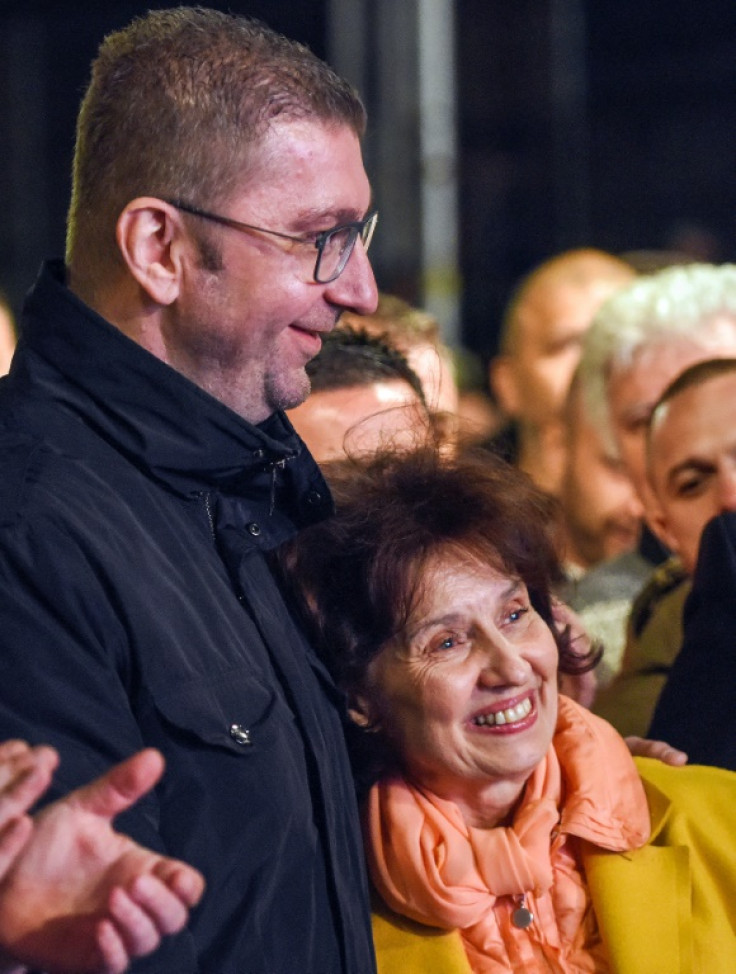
(508, 715)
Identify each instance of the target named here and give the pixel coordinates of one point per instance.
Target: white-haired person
(639, 341)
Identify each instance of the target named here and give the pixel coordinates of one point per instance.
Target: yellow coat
(668, 908)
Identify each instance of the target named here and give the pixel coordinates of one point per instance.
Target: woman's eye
(516, 614)
(448, 641)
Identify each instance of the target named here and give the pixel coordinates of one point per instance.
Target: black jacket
(138, 609)
(696, 710)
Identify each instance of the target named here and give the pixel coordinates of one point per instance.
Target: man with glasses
(218, 227)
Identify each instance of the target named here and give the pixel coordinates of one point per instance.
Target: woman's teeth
(509, 716)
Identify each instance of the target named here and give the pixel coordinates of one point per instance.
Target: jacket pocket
(235, 711)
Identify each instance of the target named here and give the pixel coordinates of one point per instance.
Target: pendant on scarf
(522, 917)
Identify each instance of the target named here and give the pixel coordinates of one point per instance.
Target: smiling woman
(466, 693)
(506, 828)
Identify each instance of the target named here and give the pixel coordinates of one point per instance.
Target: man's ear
(504, 385)
(149, 233)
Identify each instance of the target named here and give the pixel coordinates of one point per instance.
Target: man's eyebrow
(327, 217)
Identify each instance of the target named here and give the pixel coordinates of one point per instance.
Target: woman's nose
(502, 664)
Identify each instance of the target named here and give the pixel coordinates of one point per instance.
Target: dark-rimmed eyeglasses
(334, 246)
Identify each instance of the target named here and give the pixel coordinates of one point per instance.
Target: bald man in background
(540, 344)
(691, 457)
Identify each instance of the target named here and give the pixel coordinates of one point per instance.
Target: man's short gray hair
(678, 301)
(178, 103)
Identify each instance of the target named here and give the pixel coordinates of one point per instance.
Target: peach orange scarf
(427, 864)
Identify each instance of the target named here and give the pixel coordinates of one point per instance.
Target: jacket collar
(165, 424)
(605, 802)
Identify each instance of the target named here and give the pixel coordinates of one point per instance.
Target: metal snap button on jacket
(240, 734)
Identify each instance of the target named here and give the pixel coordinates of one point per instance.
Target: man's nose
(634, 506)
(727, 490)
(355, 289)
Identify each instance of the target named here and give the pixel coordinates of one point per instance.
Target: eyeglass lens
(337, 248)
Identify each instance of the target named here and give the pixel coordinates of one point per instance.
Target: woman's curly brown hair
(356, 576)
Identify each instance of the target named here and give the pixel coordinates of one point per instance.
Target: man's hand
(580, 687)
(82, 898)
(642, 747)
(25, 774)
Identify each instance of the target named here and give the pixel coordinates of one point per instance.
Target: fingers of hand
(12, 748)
(122, 785)
(112, 949)
(138, 927)
(145, 911)
(581, 687)
(674, 756)
(660, 750)
(12, 839)
(25, 773)
(184, 881)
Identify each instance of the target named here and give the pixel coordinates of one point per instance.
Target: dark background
(609, 123)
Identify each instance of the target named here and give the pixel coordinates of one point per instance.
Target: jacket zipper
(272, 501)
(274, 465)
(207, 498)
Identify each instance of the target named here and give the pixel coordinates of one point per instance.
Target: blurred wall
(609, 123)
